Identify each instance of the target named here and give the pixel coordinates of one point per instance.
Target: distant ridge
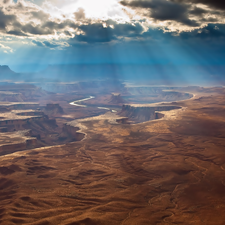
(117, 73)
(7, 73)
(153, 74)
(6, 69)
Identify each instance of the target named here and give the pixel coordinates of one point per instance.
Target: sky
(37, 33)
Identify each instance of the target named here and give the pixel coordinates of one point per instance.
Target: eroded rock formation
(116, 98)
(16, 141)
(73, 132)
(141, 113)
(20, 92)
(53, 109)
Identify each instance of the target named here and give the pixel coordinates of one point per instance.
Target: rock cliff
(53, 110)
(73, 132)
(141, 113)
(116, 98)
(6, 72)
(16, 141)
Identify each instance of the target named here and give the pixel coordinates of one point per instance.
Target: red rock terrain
(144, 112)
(168, 171)
(43, 130)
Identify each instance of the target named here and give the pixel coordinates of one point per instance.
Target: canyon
(122, 159)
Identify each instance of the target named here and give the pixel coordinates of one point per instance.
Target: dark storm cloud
(36, 30)
(208, 33)
(212, 33)
(127, 29)
(53, 25)
(67, 33)
(5, 19)
(164, 10)
(16, 27)
(184, 12)
(88, 32)
(30, 28)
(97, 32)
(197, 11)
(218, 4)
(20, 19)
(16, 33)
(10, 24)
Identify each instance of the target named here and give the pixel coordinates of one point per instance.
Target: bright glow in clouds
(95, 9)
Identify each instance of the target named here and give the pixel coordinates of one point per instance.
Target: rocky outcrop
(3, 109)
(17, 123)
(10, 96)
(31, 113)
(122, 120)
(21, 105)
(3, 129)
(14, 147)
(20, 92)
(25, 119)
(141, 113)
(72, 131)
(53, 109)
(16, 141)
(158, 115)
(10, 148)
(116, 98)
(6, 72)
(158, 94)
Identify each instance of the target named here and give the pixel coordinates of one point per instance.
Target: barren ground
(167, 171)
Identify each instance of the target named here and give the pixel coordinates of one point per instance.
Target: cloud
(6, 19)
(107, 31)
(162, 10)
(6, 49)
(26, 20)
(197, 11)
(211, 32)
(38, 43)
(217, 4)
(50, 44)
(180, 15)
(40, 15)
(32, 21)
(80, 14)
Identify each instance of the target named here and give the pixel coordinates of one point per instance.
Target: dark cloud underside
(218, 4)
(164, 10)
(181, 11)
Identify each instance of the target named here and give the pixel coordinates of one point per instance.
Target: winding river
(81, 100)
(75, 103)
